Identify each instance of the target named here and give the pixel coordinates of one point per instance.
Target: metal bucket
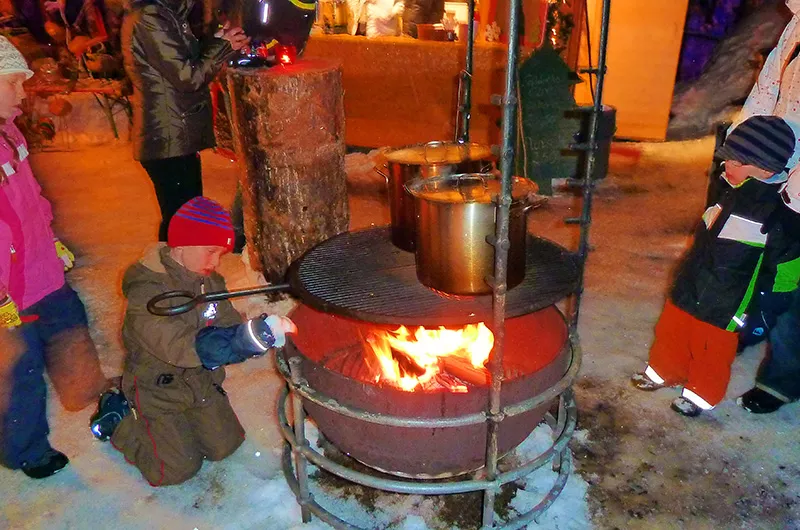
(454, 216)
(424, 161)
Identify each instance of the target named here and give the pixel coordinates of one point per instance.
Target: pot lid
(439, 153)
(469, 187)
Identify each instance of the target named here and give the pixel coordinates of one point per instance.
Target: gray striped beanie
(766, 142)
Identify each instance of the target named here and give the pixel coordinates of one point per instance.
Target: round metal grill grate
(362, 275)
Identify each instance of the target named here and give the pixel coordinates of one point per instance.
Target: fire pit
(361, 368)
(340, 362)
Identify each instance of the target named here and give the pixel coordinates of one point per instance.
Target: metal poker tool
(156, 304)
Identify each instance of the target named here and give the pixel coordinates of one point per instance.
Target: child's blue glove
(220, 346)
(271, 330)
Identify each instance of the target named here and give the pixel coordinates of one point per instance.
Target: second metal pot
(434, 159)
(454, 216)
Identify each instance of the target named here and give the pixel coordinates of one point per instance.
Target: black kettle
(270, 23)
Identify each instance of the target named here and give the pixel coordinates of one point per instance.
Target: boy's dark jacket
(717, 277)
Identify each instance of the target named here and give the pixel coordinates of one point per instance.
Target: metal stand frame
(590, 147)
(298, 452)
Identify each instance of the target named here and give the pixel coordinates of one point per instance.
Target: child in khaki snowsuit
(179, 412)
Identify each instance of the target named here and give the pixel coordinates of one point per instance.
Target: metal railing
(298, 452)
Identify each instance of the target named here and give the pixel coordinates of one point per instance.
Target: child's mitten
(64, 254)
(9, 315)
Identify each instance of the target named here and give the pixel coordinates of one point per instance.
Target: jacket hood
(157, 265)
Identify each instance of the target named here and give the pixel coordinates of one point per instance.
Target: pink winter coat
(29, 266)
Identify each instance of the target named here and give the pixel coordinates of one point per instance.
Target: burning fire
(431, 358)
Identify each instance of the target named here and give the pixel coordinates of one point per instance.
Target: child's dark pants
(779, 374)
(58, 318)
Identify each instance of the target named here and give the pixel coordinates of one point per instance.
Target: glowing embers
(429, 359)
(286, 54)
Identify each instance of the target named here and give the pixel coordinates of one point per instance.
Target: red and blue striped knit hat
(766, 142)
(201, 222)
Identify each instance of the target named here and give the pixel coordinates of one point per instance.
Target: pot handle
(434, 143)
(381, 173)
(461, 191)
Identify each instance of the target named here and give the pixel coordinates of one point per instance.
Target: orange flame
(409, 361)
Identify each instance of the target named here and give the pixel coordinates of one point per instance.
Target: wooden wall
(401, 91)
(643, 50)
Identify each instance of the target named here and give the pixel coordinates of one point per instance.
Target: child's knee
(225, 449)
(177, 472)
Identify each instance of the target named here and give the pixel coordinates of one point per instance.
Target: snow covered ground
(639, 464)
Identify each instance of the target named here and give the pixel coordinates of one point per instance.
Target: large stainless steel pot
(433, 159)
(454, 216)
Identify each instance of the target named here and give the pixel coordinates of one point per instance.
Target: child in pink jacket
(36, 303)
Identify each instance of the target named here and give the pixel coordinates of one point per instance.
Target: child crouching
(696, 334)
(174, 370)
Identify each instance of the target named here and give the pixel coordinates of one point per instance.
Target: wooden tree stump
(288, 129)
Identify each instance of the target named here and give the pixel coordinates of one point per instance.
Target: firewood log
(288, 129)
(463, 369)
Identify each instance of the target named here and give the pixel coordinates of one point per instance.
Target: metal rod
(588, 186)
(429, 487)
(465, 93)
(300, 438)
(510, 410)
(562, 420)
(193, 300)
(502, 244)
(316, 509)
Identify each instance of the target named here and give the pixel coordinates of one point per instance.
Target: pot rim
(526, 196)
(387, 153)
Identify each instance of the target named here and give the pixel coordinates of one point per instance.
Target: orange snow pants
(692, 353)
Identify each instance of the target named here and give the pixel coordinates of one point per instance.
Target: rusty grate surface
(362, 275)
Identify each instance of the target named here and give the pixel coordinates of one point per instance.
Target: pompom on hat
(201, 222)
(11, 60)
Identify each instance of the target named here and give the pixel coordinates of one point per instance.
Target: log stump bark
(288, 129)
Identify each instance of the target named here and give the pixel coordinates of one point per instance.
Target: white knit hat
(11, 61)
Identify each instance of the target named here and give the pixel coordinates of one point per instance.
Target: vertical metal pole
(561, 421)
(588, 185)
(501, 245)
(300, 438)
(465, 92)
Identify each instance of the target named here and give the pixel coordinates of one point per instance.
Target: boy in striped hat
(697, 333)
(173, 412)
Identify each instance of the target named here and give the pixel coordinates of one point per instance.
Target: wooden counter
(401, 91)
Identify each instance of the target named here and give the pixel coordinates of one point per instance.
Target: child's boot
(643, 382)
(684, 407)
(48, 465)
(758, 401)
(111, 408)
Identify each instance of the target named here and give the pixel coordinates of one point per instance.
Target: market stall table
(110, 94)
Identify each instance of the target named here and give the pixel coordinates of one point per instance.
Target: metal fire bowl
(537, 355)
